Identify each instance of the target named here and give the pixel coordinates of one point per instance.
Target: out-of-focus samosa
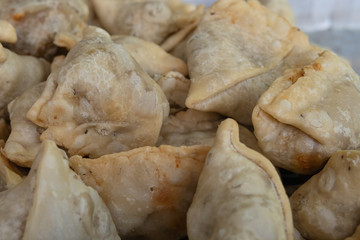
(327, 205)
(17, 73)
(100, 101)
(148, 190)
(44, 25)
(53, 203)
(239, 194)
(281, 7)
(24, 141)
(152, 20)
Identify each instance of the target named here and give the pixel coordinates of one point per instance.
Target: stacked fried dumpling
(327, 205)
(17, 72)
(309, 113)
(53, 201)
(238, 49)
(141, 118)
(151, 20)
(239, 194)
(44, 25)
(148, 190)
(99, 100)
(24, 142)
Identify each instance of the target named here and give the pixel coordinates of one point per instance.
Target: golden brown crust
(148, 190)
(309, 113)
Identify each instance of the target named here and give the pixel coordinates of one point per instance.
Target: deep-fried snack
(100, 101)
(238, 49)
(44, 25)
(24, 142)
(53, 200)
(148, 190)
(239, 194)
(309, 113)
(17, 73)
(327, 205)
(152, 20)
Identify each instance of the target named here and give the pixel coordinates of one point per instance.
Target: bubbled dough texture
(148, 190)
(327, 205)
(24, 140)
(236, 52)
(239, 194)
(100, 101)
(311, 112)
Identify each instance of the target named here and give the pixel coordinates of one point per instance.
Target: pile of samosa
(160, 119)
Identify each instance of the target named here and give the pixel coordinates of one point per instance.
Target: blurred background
(333, 24)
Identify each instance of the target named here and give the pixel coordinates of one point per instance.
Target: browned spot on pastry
(177, 162)
(317, 66)
(18, 16)
(163, 197)
(297, 75)
(305, 161)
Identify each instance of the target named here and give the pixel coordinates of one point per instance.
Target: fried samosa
(239, 194)
(327, 206)
(17, 73)
(151, 57)
(148, 190)
(53, 203)
(24, 141)
(44, 25)
(309, 113)
(152, 20)
(100, 101)
(238, 49)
